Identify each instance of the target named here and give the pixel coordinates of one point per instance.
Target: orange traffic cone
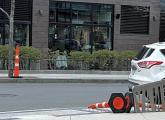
(16, 66)
(99, 105)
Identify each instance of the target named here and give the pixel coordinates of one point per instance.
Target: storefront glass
(21, 34)
(81, 36)
(58, 36)
(81, 13)
(80, 26)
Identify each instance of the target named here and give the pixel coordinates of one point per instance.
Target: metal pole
(11, 47)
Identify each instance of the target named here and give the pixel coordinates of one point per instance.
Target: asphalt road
(15, 97)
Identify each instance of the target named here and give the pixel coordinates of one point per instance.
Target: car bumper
(137, 82)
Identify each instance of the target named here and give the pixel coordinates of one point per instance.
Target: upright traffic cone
(16, 66)
(99, 105)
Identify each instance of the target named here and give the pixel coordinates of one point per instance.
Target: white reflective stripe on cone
(16, 57)
(16, 65)
(103, 104)
(97, 104)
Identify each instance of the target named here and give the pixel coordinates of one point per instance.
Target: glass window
(52, 4)
(20, 34)
(102, 14)
(162, 5)
(81, 35)
(59, 36)
(80, 26)
(144, 53)
(101, 38)
(62, 12)
(52, 15)
(1, 34)
(81, 13)
(162, 51)
(62, 5)
(63, 15)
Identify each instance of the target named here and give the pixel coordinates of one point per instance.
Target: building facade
(162, 21)
(85, 25)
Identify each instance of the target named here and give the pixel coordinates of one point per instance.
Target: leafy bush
(105, 59)
(102, 54)
(4, 51)
(25, 52)
(128, 54)
(30, 53)
(77, 55)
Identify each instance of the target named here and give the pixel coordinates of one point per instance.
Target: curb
(69, 72)
(41, 80)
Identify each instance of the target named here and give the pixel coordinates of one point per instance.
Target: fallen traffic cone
(99, 105)
(16, 66)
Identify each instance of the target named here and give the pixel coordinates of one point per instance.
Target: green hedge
(102, 54)
(105, 59)
(30, 53)
(25, 52)
(4, 51)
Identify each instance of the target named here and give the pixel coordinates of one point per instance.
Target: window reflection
(100, 37)
(81, 13)
(102, 14)
(1, 34)
(81, 34)
(59, 37)
(20, 34)
(80, 26)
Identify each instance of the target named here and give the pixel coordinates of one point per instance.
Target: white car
(149, 65)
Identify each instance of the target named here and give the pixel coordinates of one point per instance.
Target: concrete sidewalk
(70, 77)
(79, 114)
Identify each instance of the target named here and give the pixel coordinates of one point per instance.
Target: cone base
(17, 77)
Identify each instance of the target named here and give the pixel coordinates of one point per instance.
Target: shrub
(104, 59)
(4, 51)
(128, 54)
(77, 55)
(30, 53)
(25, 52)
(103, 55)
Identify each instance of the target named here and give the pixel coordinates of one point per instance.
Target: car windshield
(144, 53)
